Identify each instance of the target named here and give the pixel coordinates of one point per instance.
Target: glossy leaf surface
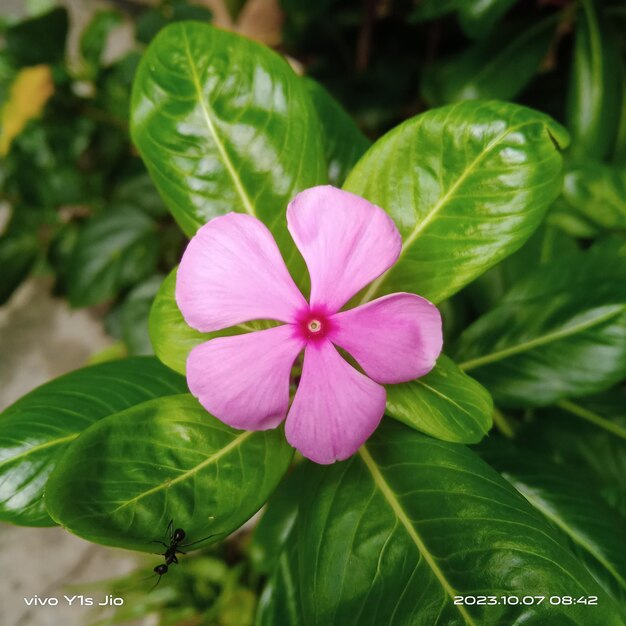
(161, 460)
(560, 332)
(38, 428)
(393, 534)
(466, 185)
(446, 404)
(568, 499)
(224, 124)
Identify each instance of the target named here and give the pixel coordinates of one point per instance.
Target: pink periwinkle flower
(232, 272)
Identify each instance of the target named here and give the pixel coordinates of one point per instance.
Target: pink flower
(232, 272)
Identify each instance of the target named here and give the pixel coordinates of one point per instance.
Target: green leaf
(589, 435)
(94, 38)
(344, 144)
(498, 67)
(446, 404)
(279, 602)
(172, 339)
(546, 244)
(134, 316)
(18, 253)
(35, 431)
(161, 460)
(38, 40)
(224, 124)
(113, 251)
(595, 92)
(276, 524)
(569, 500)
(466, 185)
(392, 535)
(598, 192)
(478, 17)
(560, 332)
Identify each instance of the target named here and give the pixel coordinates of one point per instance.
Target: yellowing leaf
(30, 91)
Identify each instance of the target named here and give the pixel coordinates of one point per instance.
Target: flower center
(314, 326)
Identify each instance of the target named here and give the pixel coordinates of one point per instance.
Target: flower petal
(335, 409)
(394, 339)
(345, 240)
(232, 272)
(244, 380)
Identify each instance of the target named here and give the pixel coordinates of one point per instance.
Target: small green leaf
(224, 124)
(498, 67)
(113, 251)
(394, 534)
(478, 17)
(18, 253)
(595, 92)
(94, 38)
(598, 192)
(466, 184)
(446, 404)
(344, 144)
(36, 430)
(560, 332)
(161, 460)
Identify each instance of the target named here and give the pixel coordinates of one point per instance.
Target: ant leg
(161, 542)
(180, 552)
(157, 582)
(193, 543)
(174, 559)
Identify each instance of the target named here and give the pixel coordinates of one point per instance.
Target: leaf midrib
(538, 341)
(430, 216)
(403, 518)
(190, 472)
(37, 448)
(213, 132)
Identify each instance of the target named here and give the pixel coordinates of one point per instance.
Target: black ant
(176, 536)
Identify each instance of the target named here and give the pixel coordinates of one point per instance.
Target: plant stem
(592, 417)
(502, 424)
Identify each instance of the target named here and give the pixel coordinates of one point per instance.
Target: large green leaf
(392, 535)
(126, 477)
(344, 144)
(598, 192)
(498, 67)
(36, 430)
(560, 332)
(568, 499)
(224, 124)
(595, 92)
(466, 184)
(446, 404)
(113, 251)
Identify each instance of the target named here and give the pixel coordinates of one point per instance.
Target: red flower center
(314, 325)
